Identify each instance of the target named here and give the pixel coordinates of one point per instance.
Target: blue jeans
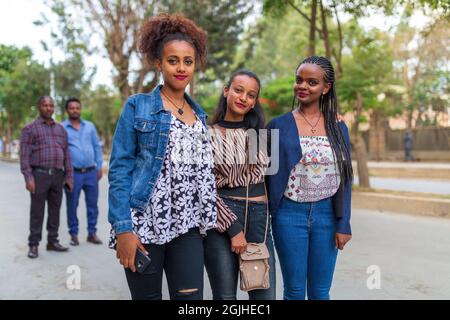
(304, 235)
(88, 182)
(222, 264)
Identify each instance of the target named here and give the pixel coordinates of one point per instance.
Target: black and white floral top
(184, 195)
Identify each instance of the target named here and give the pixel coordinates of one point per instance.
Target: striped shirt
(44, 145)
(234, 167)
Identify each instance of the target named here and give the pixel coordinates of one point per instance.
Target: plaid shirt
(44, 145)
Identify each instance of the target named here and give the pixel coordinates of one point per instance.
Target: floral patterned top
(316, 176)
(184, 196)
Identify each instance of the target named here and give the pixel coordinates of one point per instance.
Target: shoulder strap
(246, 206)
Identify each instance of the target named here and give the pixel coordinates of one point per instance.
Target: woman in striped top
(240, 164)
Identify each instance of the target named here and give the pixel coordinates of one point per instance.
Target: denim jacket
(138, 150)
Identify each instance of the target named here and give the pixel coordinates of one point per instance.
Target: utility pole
(52, 70)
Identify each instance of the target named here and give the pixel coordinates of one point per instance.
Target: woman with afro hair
(162, 194)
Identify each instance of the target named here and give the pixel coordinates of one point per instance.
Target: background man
(45, 164)
(87, 159)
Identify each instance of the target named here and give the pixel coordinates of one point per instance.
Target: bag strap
(246, 205)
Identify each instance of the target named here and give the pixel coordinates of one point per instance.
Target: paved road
(412, 254)
(408, 165)
(411, 185)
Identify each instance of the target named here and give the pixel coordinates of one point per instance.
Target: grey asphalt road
(410, 254)
(410, 185)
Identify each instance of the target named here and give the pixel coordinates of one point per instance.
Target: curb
(402, 204)
(6, 159)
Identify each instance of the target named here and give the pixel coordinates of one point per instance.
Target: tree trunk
(192, 87)
(121, 81)
(360, 147)
(2, 132)
(7, 147)
(377, 135)
(312, 30)
(361, 160)
(326, 38)
(107, 145)
(338, 55)
(121, 63)
(419, 121)
(409, 119)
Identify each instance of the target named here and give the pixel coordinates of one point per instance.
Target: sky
(17, 28)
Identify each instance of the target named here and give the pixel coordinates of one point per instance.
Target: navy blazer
(290, 153)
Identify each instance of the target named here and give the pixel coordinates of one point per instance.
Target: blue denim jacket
(138, 150)
(290, 153)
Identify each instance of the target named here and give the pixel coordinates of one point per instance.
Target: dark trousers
(408, 154)
(222, 264)
(182, 261)
(48, 189)
(88, 182)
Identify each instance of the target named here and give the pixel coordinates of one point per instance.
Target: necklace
(313, 130)
(180, 110)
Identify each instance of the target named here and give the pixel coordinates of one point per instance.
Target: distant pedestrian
(87, 160)
(45, 164)
(408, 144)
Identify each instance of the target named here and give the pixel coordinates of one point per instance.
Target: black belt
(84, 170)
(254, 190)
(49, 171)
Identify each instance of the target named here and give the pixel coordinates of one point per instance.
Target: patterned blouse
(231, 168)
(184, 196)
(316, 176)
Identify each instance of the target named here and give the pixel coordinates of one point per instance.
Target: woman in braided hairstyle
(310, 195)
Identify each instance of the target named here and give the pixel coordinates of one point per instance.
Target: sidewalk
(407, 165)
(420, 170)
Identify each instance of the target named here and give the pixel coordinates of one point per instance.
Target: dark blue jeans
(304, 235)
(222, 265)
(182, 261)
(87, 182)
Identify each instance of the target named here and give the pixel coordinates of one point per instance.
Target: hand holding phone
(141, 261)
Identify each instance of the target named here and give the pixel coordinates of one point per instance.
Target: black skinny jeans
(222, 264)
(182, 261)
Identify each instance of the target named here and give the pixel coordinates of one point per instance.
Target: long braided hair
(329, 108)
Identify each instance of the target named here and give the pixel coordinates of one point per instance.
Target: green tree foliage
(117, 24)
(223, 20)
(102, 106)
(278, 48)
(277, 96)
(72, 79)
(71, 76)
(22, 81)
(368, 69)
(421, 63)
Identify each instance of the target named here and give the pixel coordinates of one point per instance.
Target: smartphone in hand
(141, 261)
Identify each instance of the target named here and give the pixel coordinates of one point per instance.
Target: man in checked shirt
(45, 164)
